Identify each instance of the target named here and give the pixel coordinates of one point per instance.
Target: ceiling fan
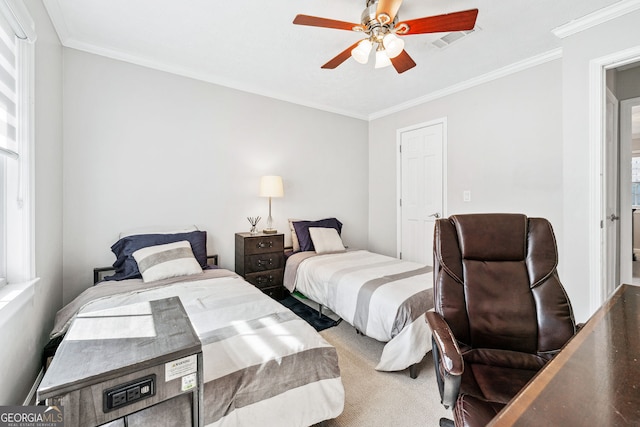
(380, 24)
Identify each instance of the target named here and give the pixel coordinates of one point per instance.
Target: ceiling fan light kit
(382, 60)
(361, 52)
(393, 45)
(379, 22)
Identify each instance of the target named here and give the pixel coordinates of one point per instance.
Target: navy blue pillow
(302, 231)
(126, 266)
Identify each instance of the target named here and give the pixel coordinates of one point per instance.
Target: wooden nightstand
(150, 369)
(260, 260)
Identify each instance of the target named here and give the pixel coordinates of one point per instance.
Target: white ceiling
(252, 45)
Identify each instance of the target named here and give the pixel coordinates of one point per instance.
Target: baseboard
(31, 397)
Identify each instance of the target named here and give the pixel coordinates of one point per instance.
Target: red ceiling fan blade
(457, 21)
(403, 62)
(389, 8)
(314, 21)
(341, 57)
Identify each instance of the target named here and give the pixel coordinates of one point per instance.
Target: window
(16, 83)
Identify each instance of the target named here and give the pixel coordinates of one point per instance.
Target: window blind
(8, 91)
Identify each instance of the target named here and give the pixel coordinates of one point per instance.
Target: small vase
(253, 220)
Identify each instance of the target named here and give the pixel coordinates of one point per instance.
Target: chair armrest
(447, 359)
(447, 346)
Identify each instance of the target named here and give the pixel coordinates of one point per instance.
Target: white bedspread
(383, 297)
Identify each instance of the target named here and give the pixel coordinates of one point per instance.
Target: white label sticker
(181, 367)
(189, 381)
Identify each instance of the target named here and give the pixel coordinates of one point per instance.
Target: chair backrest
(496, 284)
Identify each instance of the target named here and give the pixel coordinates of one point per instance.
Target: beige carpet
(385, 399)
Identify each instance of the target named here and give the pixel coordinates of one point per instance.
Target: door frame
(399, 132)
(597, 197)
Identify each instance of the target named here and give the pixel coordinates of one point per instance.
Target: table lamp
(271, 186)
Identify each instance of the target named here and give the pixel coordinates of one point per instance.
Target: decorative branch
(253, 220)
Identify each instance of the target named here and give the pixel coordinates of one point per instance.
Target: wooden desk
(594, 380)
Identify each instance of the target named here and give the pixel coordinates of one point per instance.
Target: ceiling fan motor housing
(372, 25)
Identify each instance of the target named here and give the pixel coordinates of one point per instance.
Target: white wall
(26, 332)
(579, 50)
(504, 144)
(144, 147)
(520, 143)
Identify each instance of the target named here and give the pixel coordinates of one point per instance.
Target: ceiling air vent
(450, 38)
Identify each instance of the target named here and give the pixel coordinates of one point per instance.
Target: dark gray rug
(310, 315)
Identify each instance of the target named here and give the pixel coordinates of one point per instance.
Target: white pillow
(326, 240)
(168, 260)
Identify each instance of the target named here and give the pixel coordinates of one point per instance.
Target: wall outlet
(466, 196)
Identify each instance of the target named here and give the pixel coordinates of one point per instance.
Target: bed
(383, 297)
(262, 363)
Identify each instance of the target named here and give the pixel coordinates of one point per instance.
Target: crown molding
(205, 77)
(596, 18)
(493, 75)
(184, 72)
(57, 17)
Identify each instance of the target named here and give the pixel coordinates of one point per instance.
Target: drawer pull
(262, 245)
(262, 262)
(262, 280)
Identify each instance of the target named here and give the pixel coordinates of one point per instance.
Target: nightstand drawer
(276, 292)
(263, 244)
(265, 279)
(262, 262)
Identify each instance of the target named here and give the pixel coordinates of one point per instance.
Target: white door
(611, 214)
(421, 189)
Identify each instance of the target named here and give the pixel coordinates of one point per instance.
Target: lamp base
(270, 231)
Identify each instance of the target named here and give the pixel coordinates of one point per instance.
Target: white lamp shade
(393, 45)
(271, 186)
(361, 52)
(382, 60)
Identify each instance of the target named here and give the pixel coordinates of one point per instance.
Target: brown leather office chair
(500, 310)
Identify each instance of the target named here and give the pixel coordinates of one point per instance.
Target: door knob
(613, 217)
(436, 215)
